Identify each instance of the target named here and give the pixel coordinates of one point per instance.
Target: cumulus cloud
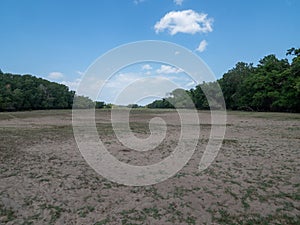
(146, 67)
(202, 46)
(186, 21)
(166, 69)
(178, 2)
(55, 75)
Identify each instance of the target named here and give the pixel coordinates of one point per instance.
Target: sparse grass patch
(224, 217)
(180, 174)
(6, 214)
(103, 222)
(153, 192)
(249, 194)
(229, 191)
(229, 142)
(179, 192)
(152, 212)
(132, 216)
(55, 212)
(82, 212)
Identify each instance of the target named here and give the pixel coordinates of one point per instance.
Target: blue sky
(58, 40)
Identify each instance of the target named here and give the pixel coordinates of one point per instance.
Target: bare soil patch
(254, 179)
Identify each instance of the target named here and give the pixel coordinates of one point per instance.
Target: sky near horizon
(58, 40)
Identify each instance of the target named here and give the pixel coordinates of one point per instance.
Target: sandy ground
(255, 178)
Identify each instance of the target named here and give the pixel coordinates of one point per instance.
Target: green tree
(99, 105)
(180, 98)
(82, 102)
(293, 51)
(231, 81)
(28, 92)
(261, 90)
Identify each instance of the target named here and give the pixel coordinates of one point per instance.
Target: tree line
(26, 92)
(272, 85)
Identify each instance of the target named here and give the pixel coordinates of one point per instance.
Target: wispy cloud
(124, 87)
(202, 46)
(146, 67)
(80, 73)
(178, 2)
(73, 85)
(166, 69)
(55, 75)
(127, 88)
(189, 85)
(122, 79)
(186, 21)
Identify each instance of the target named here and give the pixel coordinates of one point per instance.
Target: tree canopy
(26, 92)
(272, 85)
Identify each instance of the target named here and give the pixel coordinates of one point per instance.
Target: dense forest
(26, 92)
(272, 85)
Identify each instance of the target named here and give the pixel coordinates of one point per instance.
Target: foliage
(133, 106)
(28, 92)
(100, 105)
(164, 103)
(273, 85)
(82, 102)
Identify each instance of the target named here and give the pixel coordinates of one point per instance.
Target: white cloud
(121, 80)
(190, 85)
(202, 46)
(178, 2)
(73, 85)
(146, 67)
(88, 86)
(80, 73)
(186, 21)
(142, 88)
(55, 75)
(168, 69)
(123, 88)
